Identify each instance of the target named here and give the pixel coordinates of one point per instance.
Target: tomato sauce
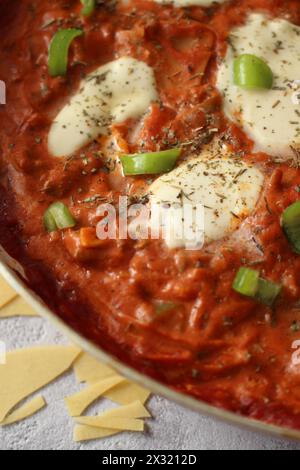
(213, 344)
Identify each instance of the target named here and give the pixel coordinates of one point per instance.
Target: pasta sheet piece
(89, 433)
(127, 392)
(88, 369)
(134, 410)
(7, 293)
(25, 411)
(28, 370)
(122, 418)
(122, 424)
(17, 307)
(76, 404)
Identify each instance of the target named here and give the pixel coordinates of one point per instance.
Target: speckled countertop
(52, 428)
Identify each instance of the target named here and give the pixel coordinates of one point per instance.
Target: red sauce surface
(215, 345)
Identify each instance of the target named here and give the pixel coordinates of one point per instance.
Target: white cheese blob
(189, 3)
(271, 118)
(227, 188)
(114, 92)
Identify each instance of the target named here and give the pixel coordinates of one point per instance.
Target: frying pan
(13, 273)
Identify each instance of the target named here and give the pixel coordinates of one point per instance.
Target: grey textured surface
(173, 427)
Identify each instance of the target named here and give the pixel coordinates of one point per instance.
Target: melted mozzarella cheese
(189, 3)
(114, 92)
(226, 187)
(270, 117)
